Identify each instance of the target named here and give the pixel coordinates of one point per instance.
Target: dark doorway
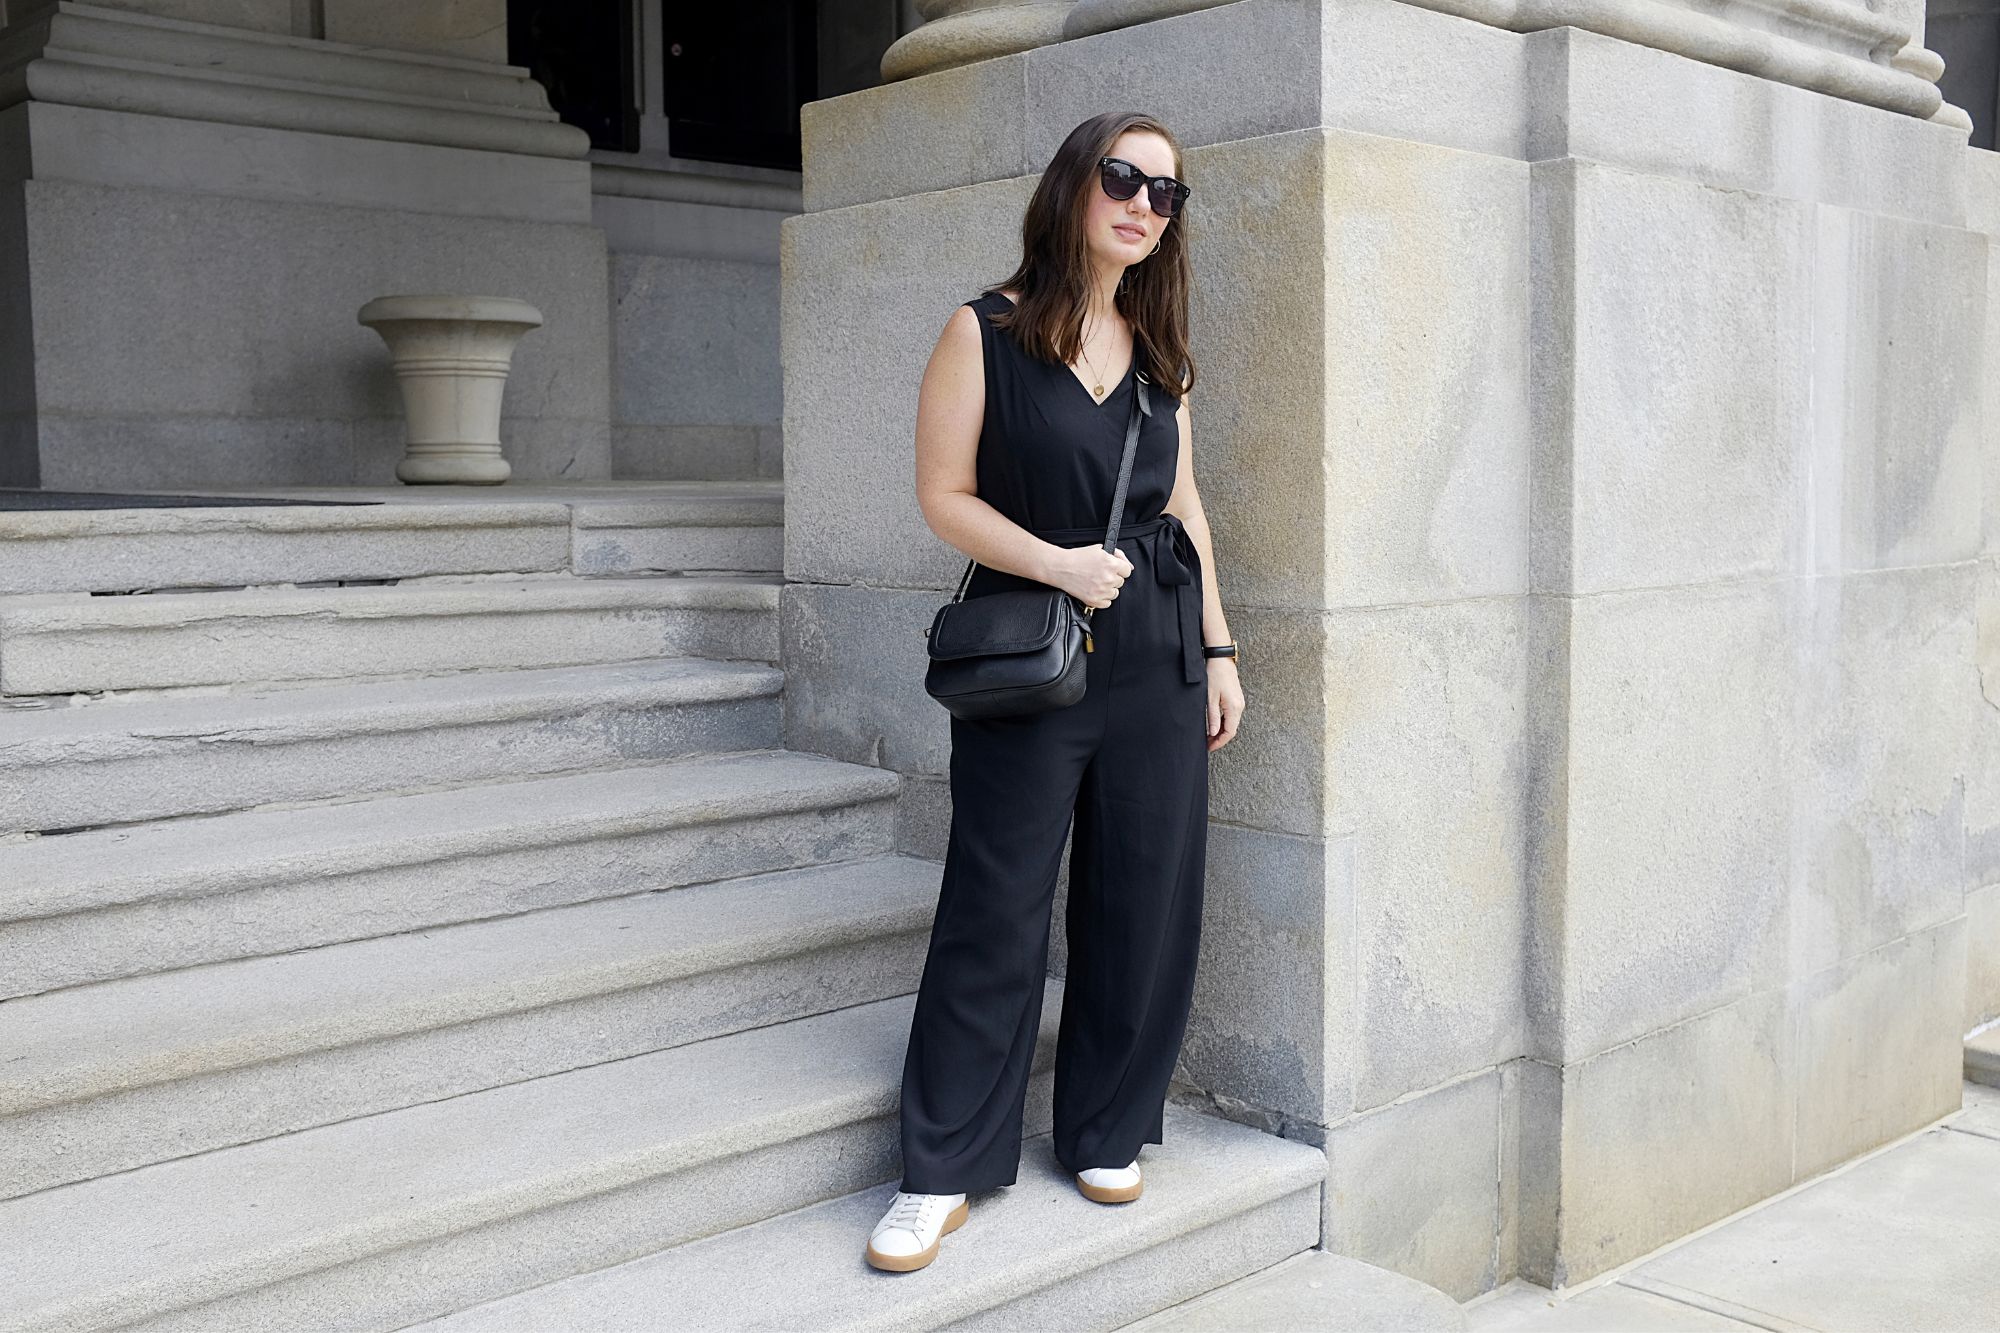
(1966, 34)
(584, 53)
(736, 75)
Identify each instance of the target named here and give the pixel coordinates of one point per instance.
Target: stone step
(105, 1077)
(1221, 1201)
(62, 643)
(126, 761)
(609, 528)
(118, 902)
(684, 527)
(416, 1213)
(1316, 1289)
(632, 526)
(122, 550)
(1982, 1056)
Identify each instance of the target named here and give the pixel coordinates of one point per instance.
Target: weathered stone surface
(1272, 775)
(1882, 814)
(1736, 131)
(1679, 773)
(1272, 1025)
(1394, 401)
(112, 902)
(469, 29)
(1982, 736)
(949, 128)
(1426, 411)
(257, 15)
(695, 352)
(123, 550)
(1899, 316)
(1982, 956)
(1982, 215)
(123, 149)
(231, 399)
(152, 759)
(854, 676)
(1313, 1290)
(1879, 1045)
(413, 1214)
(1424, 755)
(61, 643)
(1414, 1187)
(1230, 1201)
(1669, 389)
(1982, 1070)
(1275, 48)
(1665, 1134)
(867, 291)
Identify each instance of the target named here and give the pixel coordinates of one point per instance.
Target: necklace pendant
(1098, 389)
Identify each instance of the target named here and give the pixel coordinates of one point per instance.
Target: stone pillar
(200, 208)
(1829, 46)
(470, 29)
(959, 32)
(1982, 791)
(1590, 437)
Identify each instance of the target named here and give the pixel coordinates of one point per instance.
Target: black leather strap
(1140, 404)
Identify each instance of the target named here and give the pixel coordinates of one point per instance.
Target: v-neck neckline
(1069, 372)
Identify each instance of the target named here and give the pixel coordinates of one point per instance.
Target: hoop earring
(1155, 250)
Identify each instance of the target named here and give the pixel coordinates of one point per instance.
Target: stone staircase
(410, 916)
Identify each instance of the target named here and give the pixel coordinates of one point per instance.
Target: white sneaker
(1110, 1184)
(907, 1236)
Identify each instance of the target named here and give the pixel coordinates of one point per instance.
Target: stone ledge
(87, 55)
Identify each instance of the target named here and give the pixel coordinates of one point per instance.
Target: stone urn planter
(451, 356)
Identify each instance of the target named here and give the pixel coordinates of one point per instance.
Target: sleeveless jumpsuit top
(1048, 459)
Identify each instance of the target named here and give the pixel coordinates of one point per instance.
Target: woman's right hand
(1092, 574)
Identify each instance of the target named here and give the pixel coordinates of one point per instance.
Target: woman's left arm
(1225, 690)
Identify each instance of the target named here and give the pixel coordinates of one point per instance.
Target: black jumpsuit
(1129, 760)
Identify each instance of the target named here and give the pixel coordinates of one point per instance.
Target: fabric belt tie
(1176, 563)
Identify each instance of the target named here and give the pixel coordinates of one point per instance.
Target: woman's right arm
(951, 408)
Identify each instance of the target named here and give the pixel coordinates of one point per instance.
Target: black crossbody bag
(1021, 651)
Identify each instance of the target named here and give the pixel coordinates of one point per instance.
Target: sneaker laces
(908, 1210)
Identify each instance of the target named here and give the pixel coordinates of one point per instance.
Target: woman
(1021, 423)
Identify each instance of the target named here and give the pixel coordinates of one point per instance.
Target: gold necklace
(1097, 389)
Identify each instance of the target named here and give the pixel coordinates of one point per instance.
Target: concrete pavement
(1905, 1239)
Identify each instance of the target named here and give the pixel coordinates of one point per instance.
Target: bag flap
(1017, 621)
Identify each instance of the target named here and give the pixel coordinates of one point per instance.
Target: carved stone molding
(93, 56)
(958, 32)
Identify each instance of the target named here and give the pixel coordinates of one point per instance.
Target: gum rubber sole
(1110, 1194)
(905, 1263)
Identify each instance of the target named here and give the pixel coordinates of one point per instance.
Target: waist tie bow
(1176, 564)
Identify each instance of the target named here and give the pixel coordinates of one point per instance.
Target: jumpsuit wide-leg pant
(1129, 763)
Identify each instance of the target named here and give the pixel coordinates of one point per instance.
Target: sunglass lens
(1120, 181)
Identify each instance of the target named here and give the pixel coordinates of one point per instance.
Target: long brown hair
(1054, 276)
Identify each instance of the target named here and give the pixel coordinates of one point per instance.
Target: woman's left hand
(1225, 701)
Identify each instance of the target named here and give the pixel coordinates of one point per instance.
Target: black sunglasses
(1122, 180)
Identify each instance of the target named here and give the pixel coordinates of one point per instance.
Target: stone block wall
(1757, 548)
(1982, 842)
(201, 208)
(696, 387)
